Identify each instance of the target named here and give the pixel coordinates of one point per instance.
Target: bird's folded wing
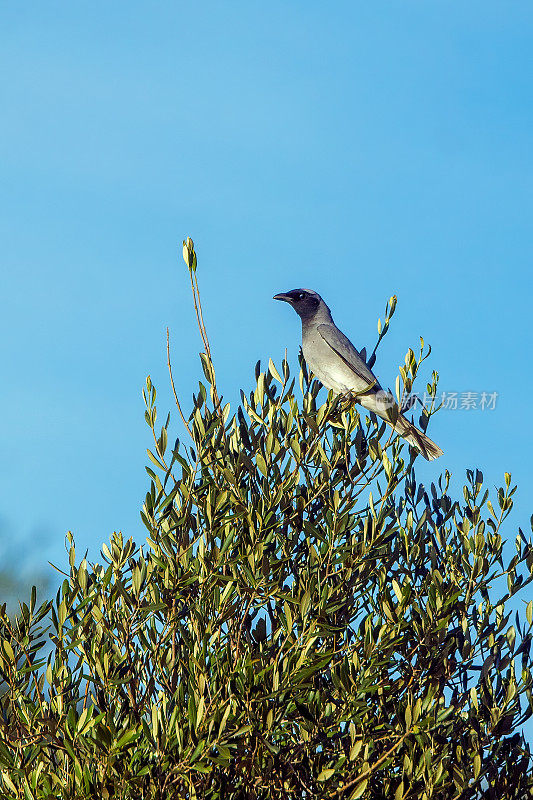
(343, 347)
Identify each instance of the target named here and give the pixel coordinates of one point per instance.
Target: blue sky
(359, 149)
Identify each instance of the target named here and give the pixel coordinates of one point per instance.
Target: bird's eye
(300, 295)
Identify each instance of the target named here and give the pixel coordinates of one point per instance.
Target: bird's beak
(287, 298)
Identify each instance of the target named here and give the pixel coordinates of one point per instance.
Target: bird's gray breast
(326, 364)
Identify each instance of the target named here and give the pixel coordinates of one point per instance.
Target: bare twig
(174, 388)
(191, 263)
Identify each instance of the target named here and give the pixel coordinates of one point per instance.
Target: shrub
(306, 620)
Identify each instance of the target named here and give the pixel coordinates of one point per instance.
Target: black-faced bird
(339, 366)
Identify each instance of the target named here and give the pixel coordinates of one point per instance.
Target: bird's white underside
(336, 376)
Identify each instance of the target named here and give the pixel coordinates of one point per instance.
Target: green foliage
(306, 620)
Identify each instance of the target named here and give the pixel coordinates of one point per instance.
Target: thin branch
(174, 388)
(371, 769)
(217, 402)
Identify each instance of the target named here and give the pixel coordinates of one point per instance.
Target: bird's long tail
(417, 439)
(381, 403)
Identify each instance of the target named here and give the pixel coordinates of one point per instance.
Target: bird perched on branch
(340, 367)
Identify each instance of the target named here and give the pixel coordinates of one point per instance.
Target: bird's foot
(349, 398)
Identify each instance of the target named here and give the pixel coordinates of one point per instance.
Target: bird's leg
(349, 397)
(341, 403)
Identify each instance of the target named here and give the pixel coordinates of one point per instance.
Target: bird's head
(305, 302)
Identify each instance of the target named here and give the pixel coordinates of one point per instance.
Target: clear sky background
(357, 148)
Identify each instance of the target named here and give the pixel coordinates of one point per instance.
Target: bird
(339, 366)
